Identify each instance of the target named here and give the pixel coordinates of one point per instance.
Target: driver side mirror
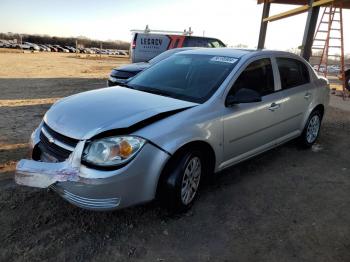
(243, 95)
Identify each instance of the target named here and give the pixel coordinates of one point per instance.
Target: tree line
(66, 41)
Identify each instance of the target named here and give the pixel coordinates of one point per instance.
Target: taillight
(133, 45)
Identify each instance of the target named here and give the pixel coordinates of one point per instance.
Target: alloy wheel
(313, 129)
(190, 180)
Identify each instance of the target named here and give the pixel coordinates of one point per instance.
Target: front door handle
(274, 106)
(307, 95)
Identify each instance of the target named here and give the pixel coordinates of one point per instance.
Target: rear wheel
(181, 181)
(311, 129)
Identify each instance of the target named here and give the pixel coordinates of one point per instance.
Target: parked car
(70, 49)
(5, 44)
(89, 51)
(52, 48)
(24, 46)
(186, 117)
(45, 48)
(122, 52)
(121, 74)
(145, 46)
(33, 47)
(61, 49)
(347, 79)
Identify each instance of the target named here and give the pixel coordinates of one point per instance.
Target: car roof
(231, 52)
(235, 52)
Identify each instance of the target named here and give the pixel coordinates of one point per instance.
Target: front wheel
(181, 181)
(311, 129)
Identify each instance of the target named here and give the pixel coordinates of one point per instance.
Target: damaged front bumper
(43, 174)
(96, 189)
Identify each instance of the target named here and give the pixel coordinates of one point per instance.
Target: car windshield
(190, 77)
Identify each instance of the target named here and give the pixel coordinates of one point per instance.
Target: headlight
(112, 151)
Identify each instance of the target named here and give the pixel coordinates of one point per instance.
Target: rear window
(292, 72)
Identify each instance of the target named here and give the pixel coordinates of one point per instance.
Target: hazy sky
(233, 21)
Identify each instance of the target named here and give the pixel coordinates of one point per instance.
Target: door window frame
(286, 56)
(276, 77)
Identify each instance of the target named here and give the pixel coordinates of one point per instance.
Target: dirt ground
(285, 205)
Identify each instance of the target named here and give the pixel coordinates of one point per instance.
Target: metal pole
(309, 32)
(263, 25)
(76, 47)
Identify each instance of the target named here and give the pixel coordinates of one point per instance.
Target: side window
(192, 41)
(215, 43)
(206, 43)
(257, 76)
(292, 72)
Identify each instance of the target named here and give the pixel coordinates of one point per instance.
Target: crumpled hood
(135, 67)
(84, 115)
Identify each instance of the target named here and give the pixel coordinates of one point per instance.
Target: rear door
(296, 90)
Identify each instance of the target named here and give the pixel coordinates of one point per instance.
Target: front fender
(174, 132)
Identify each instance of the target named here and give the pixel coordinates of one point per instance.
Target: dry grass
(54, 65)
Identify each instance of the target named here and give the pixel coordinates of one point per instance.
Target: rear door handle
(274, 106)
(307, 95)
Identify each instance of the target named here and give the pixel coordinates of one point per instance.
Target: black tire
(171, 185)
(306, 141)
(347, 82)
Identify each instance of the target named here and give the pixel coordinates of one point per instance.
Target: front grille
(64, 139)
(51, 148)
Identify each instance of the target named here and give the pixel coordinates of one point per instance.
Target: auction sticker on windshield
(224, 59)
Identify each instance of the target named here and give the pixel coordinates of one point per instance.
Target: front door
(252, 127)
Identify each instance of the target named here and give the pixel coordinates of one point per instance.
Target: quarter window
(292, 72)
(258, 76)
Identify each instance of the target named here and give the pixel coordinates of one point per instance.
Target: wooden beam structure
(338, 3)
(298, 10)
(312, 7)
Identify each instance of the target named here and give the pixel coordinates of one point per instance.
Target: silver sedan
(186, 117)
